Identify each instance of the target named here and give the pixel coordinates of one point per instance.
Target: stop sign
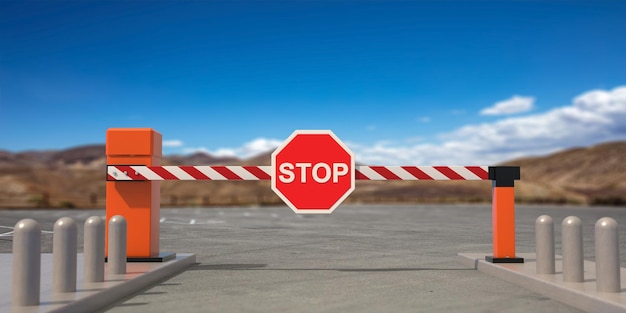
(313, 171)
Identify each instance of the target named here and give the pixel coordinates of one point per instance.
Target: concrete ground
(583, 295)
(361, 258)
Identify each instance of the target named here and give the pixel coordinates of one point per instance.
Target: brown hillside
(74, 177)
(598, 173)
(259, 159)
(78, 155)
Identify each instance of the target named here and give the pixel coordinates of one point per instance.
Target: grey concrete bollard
(94, 250)
(607, 256)
(26, 263)
(544, 244)
(572, 242)
(117, 245)
(65, 237)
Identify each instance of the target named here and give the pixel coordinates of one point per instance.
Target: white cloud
(224, 152)
(258, 146)
(249, 149)
(594, 116)
(423, 119)
(172, 143)
(515, 104)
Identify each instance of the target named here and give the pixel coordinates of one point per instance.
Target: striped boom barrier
(148, 173)
(422, 172)
(145, 173)
(134, 174)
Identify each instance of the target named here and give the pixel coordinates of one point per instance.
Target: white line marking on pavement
(175, 222)
(10, 233)
(214, 222)
(6, 234)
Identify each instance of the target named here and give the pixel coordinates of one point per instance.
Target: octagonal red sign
(313, 171)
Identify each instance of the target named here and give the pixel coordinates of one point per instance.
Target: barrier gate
(134, 174)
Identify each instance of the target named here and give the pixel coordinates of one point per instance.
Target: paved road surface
(361, 258)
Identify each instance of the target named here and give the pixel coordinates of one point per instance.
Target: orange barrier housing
(503, 214)
(503, 222)
(138, 202)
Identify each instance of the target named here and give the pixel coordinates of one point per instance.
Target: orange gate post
(503, 213)
(137, 201)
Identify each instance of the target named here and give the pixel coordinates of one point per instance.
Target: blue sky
(401, 82)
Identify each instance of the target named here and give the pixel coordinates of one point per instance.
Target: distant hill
(596, 173)
(93, 156)
(259, 159)
(74, 178)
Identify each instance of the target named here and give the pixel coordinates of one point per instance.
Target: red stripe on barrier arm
(259, 173)
(478, 171)
(224, 171)
(416, 172)
(110, 178)
(384, 172)
(194, 172)
(165, 174)
(448, 172)
(359, 175)
(130, 172)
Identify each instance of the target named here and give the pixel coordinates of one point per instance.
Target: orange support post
(137, 201)
(503, 214)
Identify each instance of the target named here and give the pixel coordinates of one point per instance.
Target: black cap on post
(504, 176)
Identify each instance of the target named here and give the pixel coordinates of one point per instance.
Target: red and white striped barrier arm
(144, 173)
(141, 172)
(422, 172)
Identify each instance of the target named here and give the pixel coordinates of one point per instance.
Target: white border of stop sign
(303, 166)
